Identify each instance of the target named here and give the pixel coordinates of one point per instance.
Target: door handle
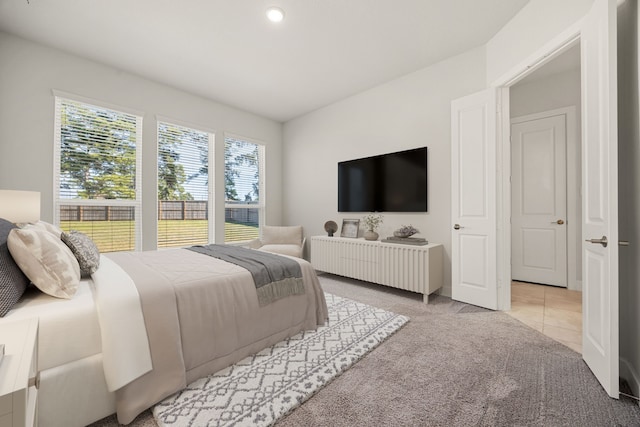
(457, 227)
(559, 222)
(604, 242)
(623, 243)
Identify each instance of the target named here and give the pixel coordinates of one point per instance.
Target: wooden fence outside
(97, 213)
(167, 210)
(183, 209)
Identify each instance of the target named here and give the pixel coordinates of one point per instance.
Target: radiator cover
(414, 268)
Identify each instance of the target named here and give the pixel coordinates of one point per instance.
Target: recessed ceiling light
(275, 14)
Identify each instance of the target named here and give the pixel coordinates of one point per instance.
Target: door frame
(557, 46)
(573, 220)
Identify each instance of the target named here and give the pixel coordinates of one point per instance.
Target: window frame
(58, 202)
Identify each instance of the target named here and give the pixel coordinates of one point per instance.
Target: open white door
(473, 199)
(600, 195)
(539, 200)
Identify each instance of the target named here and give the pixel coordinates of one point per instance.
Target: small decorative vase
(371, 235)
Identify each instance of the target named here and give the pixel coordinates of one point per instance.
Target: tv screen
(395, 182)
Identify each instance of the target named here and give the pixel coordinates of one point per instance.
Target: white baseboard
(445, 291)
(631, 376)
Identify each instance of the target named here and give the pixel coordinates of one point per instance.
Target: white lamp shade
(20, 206)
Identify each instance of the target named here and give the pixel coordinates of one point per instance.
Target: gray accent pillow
(13, 282)
(85, 251)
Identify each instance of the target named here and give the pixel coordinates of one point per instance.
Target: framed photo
(350, 228)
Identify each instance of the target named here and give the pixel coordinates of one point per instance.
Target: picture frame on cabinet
(350, 228)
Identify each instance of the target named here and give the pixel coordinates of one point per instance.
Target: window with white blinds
(185, 205)
(97, 173)
(244, 189)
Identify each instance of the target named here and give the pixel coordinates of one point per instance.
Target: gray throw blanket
(275, 276)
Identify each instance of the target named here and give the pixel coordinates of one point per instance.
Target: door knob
(604, 242)
(559, 222)
(457, 227)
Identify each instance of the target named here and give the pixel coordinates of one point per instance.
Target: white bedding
(125, 346)
(74, 394)
(104, 316)
(68, 329)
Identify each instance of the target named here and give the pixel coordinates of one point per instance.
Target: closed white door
(473, 199)
(600, 345)
(538, 200)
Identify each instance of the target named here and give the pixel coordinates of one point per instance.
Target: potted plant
(371, 223)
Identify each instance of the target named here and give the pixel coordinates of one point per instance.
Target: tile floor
(556, 312)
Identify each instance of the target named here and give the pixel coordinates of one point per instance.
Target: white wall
(550, 93)
(629, 192)
(415, 110)
(408, 112)
(534, 26)
(29, 72)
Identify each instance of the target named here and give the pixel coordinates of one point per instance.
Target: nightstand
(18, 373)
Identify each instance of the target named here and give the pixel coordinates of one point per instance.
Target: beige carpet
(455, 365)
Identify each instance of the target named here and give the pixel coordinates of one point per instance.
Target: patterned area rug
(260, 389)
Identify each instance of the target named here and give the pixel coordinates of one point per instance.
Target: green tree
(171, 174)
(236, 154)
(98, 152)
(230, 171)
(250, 160)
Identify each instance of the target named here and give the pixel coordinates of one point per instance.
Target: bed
(148, 323)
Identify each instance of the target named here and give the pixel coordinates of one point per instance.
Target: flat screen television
(394, 182)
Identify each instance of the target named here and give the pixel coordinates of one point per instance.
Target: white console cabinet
(414, 268)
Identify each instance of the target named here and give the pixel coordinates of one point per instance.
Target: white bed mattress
(68, 329)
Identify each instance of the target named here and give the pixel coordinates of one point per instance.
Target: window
(243, 189)
(185, 207)
(97, 174)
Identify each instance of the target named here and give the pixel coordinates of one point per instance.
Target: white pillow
(48, 227)
(45, 260)
(278, 235)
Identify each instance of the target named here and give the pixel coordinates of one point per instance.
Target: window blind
(244, 189)
(97, 173)
(185, 208)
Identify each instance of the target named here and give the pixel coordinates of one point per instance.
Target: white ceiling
(226, 50)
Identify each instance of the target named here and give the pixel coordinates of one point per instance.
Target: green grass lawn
(189, 232)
